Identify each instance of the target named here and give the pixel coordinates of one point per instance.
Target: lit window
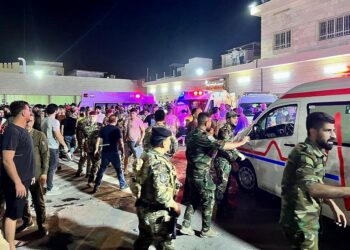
(283, 40)
(334, 27)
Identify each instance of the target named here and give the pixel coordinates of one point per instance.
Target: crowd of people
(34, 138)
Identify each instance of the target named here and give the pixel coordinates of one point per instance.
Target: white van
(283, 125)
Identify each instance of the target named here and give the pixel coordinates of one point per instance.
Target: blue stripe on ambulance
(283, 164)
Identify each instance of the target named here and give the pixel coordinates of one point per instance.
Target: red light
(195, 93)
(200, 93)
(138, 96)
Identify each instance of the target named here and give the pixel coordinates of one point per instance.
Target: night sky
(123, 37)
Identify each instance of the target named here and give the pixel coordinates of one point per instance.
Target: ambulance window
(332, 108)
(279, 122)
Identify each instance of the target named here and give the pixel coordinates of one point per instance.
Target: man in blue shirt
(111, 137)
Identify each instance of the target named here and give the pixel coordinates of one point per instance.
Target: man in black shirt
(111, 137)
(18, 169)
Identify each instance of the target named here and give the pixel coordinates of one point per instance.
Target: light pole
(24, 65)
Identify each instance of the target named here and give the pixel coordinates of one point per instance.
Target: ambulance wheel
(246, 177)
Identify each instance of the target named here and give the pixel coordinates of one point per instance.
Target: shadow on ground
(67, 234)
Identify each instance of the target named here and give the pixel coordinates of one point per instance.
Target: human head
(2, 113)
(146, 112)
(215, 110)
(98, 109)
(93, 116)
(232, 118)
(51, 109)
(195, 112)
(263, 106)
(133, 113)
(155, 108)
(239, 111)
(30, 122)
(160, 138)
(112, 119)
(20, 110)
(320, 129)
(159, 115)
(204, 120)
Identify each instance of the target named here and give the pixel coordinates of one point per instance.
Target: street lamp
(24, 65)
(252, 8)
(199, 71)
(39, 73)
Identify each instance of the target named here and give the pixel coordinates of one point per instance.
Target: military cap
(159, 134)
(231, 114)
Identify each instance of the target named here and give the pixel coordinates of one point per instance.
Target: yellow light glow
(177, 88)
(243, 79)
(164, 89)
(283, 75)
(336, 69)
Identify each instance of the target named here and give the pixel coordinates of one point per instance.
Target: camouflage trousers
(202, 194)
(95, 165)
(298, 239)
(222, 170)
(154, 229)
(82, 160)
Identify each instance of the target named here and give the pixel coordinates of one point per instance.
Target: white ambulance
(283, 125)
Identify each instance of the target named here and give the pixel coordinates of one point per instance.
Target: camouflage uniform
(81, 137)
(223, 161)
(92, 131)
(158, 187)
(299, 211)
(199, 187)
(147, 140)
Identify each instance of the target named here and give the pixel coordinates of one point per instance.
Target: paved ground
(107, 220)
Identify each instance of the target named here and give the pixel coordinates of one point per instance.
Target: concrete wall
(58, 88)
(302, 17)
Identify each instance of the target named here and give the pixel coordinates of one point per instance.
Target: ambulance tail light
(137, 96)
(198, 93)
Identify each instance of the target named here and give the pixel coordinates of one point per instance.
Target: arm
(121, 146)
(234, 145)
(98, 141)
(45, 157)
(60, 139)
(339, 216)
(318, 190)
(11, 170)
(142, 128)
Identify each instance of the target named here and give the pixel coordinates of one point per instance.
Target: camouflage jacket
(80, 130)
(90, 132)
(147, 140)
(157, 180)
(226, 134)
(305, 166)
(199, 148)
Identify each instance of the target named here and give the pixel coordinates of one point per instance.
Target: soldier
(81, 124)
(156, 206)
(91, 132)
(41, 161)
(159, 116)
(224, 159)
(303, 190)
(201, 188)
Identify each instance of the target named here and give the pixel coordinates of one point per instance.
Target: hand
(96, 152)
(177, 209)
(65, 149)
(43, 179)
(33, 181)
(84, 154)
(339, 217)
(245, 139)
(241, 156)
(21, 191)
(122, 155)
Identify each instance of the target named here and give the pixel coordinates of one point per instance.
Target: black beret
(231, 114)
(161, 132)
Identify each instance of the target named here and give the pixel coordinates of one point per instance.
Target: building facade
(301, 41)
